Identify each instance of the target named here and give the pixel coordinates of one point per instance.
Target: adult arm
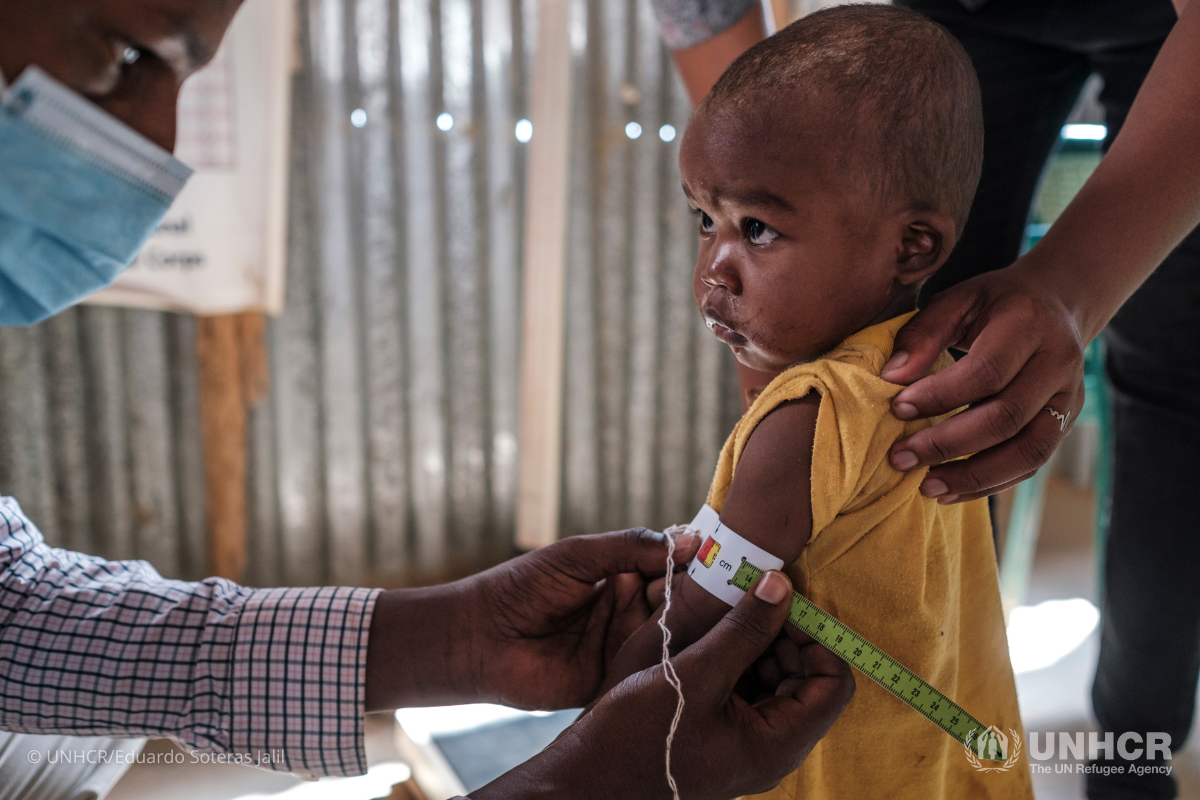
(91, 647)
(706, 37)
(1026, 326)
(538, 631)
(94, 647)
(725, 746)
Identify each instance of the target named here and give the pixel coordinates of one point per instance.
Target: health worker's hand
(725, 746)
(537, 631)
(1024, 354)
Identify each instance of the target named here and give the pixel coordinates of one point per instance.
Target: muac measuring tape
(727, 565)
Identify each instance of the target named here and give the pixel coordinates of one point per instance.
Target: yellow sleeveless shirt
(916, 578)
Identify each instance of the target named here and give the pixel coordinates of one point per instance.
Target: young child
(831, 169)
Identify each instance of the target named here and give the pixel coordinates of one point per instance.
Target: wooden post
(233, 376)
(544, 294)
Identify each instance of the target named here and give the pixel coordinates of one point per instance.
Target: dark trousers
(1032, 57)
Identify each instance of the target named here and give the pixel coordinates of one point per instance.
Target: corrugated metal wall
(385, 452)
(99, 434)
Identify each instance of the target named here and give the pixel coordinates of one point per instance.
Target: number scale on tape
(882, 668)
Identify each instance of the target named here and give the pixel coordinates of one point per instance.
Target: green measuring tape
(884, 670)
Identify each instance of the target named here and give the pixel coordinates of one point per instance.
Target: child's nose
(723, 271)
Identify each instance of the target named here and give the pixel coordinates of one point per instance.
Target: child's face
(792, 258)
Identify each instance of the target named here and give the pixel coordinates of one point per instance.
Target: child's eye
(706, 222)
(759, 232)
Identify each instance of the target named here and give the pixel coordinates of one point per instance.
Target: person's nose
(723, 270)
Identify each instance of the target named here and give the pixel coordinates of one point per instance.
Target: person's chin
(749, 356)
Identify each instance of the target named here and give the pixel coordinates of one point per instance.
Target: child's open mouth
(725, 334)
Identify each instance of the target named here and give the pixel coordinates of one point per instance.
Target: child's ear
(926, 239)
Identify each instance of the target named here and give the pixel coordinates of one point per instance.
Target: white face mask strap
(721, 553)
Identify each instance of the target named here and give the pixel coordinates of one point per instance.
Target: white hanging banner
(221, 247)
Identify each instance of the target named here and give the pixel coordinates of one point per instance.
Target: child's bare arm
(769, 504)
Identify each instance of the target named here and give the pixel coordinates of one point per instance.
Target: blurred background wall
(384, 451)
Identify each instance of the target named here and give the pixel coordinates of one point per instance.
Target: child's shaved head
(898, 89)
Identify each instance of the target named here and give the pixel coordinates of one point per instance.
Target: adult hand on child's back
(724, 747)
(1025, 353)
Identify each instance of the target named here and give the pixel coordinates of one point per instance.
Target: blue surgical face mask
(80, 192)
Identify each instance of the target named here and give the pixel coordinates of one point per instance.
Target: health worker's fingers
(994, 490)
(656, 592)
(1007, 463)
(807, 702)
(779, 662)
(716, 662)
(594, 557)
(796, 635)
(787, 655)
(770, 671)
(813, 660)
(996, 419)
(918, 344)
(997, 355)
(628, 611)
(1003, 319)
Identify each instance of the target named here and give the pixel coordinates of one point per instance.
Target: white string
(668, 667)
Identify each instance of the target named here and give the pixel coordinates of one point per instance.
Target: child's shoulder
(837, 410)
(848, 376)
(801, 449)
(844, 386)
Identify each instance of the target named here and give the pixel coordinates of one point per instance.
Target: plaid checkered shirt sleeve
(91, 647)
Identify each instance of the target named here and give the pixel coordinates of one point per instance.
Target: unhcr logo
(1103, 751)
(990, 746)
